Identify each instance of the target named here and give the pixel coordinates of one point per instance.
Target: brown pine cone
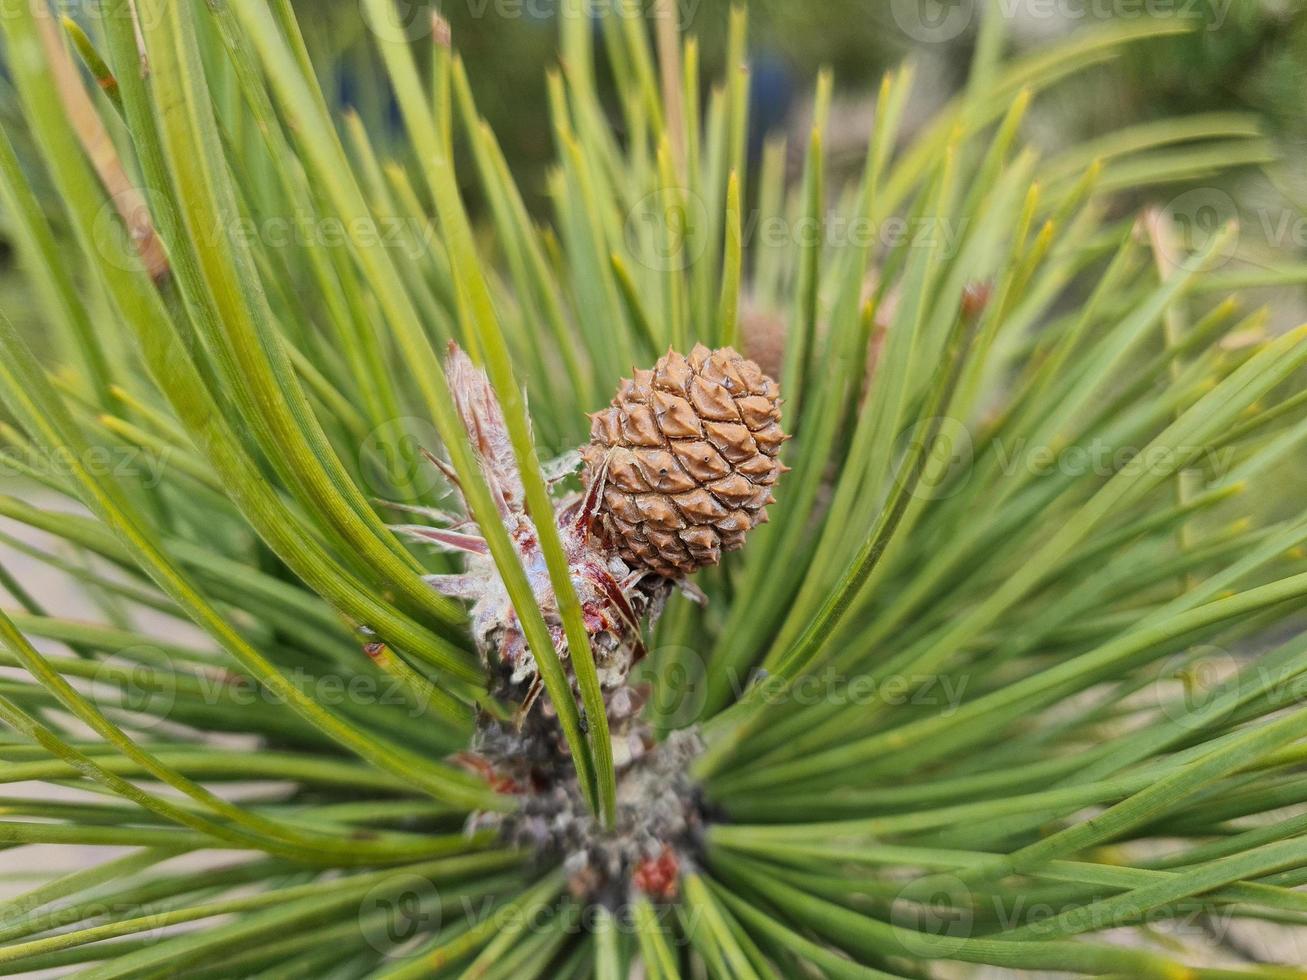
(691, 449)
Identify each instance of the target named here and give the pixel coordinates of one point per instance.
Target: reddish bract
(660, 877)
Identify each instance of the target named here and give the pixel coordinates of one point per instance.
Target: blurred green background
(1239, 55)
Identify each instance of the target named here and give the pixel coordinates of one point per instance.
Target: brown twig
(130, 203)
(669, 66)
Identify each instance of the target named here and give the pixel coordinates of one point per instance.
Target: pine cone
(691, 449)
